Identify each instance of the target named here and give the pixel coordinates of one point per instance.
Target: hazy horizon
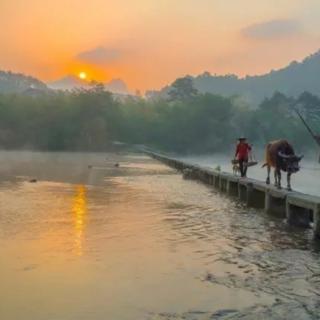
(149, 44)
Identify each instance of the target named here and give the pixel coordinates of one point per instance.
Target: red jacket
(242, 151)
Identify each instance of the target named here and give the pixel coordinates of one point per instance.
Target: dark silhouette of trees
(182, 89)
(93, 119)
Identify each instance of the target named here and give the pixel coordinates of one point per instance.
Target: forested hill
(292, 80)
(19, 83)
(190, 122)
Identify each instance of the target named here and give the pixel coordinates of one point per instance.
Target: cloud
(99, 55)
(272, 29)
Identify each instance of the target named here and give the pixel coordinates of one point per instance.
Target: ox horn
(299, 157)
(284, 156)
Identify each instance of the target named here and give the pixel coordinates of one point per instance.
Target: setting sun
(82, 75)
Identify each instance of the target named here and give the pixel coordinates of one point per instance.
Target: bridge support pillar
(275, 205)
(217, 181)
(297, 215)
(232, 188)
(207, 178)
(223, 183)
(255, 198)
(298, 208)
(242, 192)
(302, 209)
(316, 221)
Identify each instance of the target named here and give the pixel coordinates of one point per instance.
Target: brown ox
(280, 155)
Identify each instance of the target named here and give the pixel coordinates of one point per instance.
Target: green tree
(182, 89)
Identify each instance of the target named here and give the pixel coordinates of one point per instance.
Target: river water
(90, 240)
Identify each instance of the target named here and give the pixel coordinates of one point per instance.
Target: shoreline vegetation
(185, 121)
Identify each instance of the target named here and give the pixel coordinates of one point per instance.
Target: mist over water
(139, 242)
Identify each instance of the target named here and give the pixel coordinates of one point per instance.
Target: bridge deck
(297, 208)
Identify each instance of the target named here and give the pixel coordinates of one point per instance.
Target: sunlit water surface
(139, 242)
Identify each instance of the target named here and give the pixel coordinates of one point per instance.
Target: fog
(70, 167)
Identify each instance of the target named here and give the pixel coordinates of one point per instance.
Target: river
(94, 240)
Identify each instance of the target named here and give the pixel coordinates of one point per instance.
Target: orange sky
(149, 43)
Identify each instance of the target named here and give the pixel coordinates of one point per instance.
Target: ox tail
(267, 156)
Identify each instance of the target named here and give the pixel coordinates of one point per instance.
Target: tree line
(186, 122)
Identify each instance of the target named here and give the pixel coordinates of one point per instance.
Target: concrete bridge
(298, 208)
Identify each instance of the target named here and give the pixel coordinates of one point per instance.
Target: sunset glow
(148, 44)
(82, 75)
(79, 211)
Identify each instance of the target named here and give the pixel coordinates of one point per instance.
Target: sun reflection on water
(79, 212)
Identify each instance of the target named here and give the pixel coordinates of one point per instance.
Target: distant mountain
(19, 83)
(117, 86)
(71, 82)
(292, 80)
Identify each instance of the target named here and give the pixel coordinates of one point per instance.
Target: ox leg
(275, 177)
(279, 178)
(289, 181)
(268, 177)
